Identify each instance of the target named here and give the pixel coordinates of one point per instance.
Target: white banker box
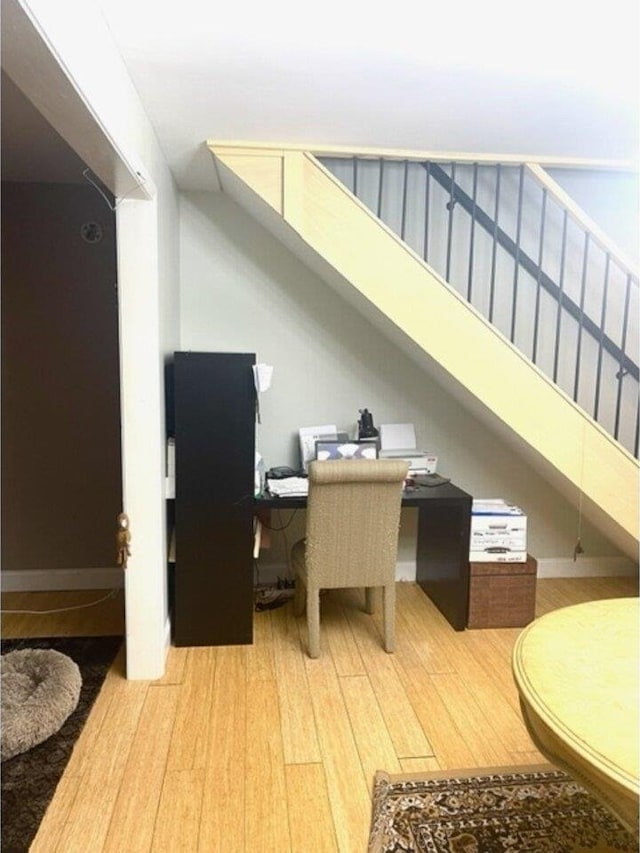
(498, 532)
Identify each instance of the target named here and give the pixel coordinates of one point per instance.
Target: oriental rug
(29, 780)
(506, 810)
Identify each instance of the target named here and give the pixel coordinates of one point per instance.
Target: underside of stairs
(302, 204)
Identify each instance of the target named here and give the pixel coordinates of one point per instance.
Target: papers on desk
(289, 487)
(308, 438)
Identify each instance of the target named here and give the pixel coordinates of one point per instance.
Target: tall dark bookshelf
(214, 429)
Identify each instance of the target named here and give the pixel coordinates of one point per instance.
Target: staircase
(389, 256)
(508, 239)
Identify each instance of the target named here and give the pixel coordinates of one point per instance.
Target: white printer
(398, 441)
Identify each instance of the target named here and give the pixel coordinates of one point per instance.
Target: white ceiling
(557, 78)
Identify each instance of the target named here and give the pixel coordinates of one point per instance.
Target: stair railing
(513, 243)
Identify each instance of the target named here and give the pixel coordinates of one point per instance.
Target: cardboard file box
(498, 532)
(502, 595)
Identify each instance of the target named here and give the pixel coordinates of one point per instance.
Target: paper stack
(289, 487)
(498, 532)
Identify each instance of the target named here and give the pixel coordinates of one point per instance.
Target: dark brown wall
(61, 461)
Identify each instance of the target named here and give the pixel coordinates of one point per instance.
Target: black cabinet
(214, 426)
(442, 558)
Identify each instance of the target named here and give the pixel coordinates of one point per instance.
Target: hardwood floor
(259, 748)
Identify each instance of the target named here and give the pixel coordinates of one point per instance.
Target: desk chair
(353, 517)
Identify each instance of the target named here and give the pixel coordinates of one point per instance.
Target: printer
(398, 441)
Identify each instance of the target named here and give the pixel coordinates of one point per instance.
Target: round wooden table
(576, 670)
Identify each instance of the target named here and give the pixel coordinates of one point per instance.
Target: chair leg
(369, 599)
(299, 598)
(313, 621)
(389, 595)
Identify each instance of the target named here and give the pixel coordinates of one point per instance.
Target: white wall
(241, 290)
(611, 199)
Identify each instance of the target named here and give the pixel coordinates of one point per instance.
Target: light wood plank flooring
(259, 748)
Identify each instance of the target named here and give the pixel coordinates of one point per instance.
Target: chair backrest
(353, 517)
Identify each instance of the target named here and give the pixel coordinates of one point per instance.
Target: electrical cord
(112, 207)
(110, 594)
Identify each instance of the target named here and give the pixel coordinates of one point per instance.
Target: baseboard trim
(548, 567)
(586, 567)
(406, 570)
(558, 567)
(40, 580)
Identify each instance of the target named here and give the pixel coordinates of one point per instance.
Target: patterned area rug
(29, 780)
(513, 810)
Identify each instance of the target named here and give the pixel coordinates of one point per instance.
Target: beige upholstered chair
(353, 516)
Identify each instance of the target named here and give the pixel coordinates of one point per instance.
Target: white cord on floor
(64, 609)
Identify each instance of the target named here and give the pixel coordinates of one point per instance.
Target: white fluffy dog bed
(40, 689)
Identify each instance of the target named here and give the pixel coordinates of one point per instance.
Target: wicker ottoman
(502, 595)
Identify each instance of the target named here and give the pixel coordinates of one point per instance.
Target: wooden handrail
(484, 159)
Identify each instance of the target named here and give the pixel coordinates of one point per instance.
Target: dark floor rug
(29, 780)
(511, 810)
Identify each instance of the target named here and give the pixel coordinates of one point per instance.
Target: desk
(442, 548)
(576, 670)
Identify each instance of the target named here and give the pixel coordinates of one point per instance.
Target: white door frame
(35, 64)
(143, 446)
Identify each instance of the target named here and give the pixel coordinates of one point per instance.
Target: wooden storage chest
(502, 595)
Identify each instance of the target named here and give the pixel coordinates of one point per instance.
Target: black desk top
(414, 497)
